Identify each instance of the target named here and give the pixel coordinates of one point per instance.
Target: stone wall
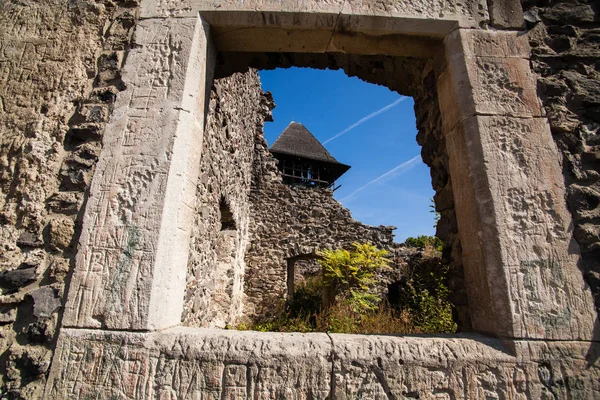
(407, 76)
(565, 42)
(59, 75)
(292, 221)
(273, 221)
(434, 154)
(236, 116)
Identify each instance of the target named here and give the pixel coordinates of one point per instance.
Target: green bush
(350, 273)
(425, 297)
(422, 242)
(339, 301)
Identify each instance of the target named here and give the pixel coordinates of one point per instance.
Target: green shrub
(425, 296)
(350, 273)
(423, 242)
(340, 300)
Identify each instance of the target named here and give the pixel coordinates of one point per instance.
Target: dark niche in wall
(227, 220)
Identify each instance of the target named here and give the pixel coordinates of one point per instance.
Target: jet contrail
(405, 166)
(365, 119)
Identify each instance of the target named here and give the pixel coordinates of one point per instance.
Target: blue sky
(367, 127)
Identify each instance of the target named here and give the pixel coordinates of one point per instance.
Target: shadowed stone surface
(565, 51)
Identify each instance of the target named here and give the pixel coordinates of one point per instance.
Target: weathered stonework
(216, 268)
(565, 51)
(204, 363)
(58, 81)
(519, 246)
(161, 113)
(433, 153)
(290, 222)
(273, 222)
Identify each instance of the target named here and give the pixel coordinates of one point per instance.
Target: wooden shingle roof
(296, 140)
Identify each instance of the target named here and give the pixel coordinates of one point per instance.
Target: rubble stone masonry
(59, 75)
(565, 43)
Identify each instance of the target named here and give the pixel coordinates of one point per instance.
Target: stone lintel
(131, 265)
(431, 18)
(206, 363)
(275, 40)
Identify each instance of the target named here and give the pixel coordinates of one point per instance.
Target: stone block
(525, 181)
(486, 74)
(506, 14)
(29, 240)
(197, 363)
(45, 302)
(60, 233)
(519, 223)
(573, 13)
(436, 17)
(130, 269)
(200, 363)
(480, 43)
(13, 280)
(381, 367)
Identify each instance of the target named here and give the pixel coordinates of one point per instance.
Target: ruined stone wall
(565, 42)
(407, 76)
(59, 74)
(216, 266)
(285, 221)
(434, 155)
(290, 221)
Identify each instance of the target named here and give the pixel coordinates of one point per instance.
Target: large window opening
(333, 121)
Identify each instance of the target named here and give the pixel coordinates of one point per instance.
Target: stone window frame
(131, 265)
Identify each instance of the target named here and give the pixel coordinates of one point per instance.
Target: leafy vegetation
(341, 299)
(425, 294)
(424, 242)
(349, 275)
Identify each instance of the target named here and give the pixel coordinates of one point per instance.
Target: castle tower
(303, 160)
